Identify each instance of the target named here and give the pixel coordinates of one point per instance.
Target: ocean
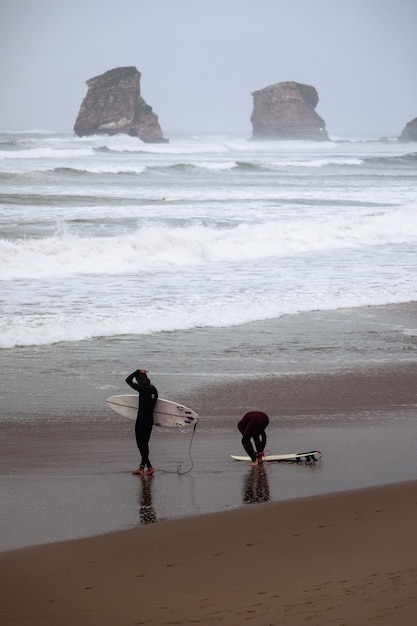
(104, 237)
(158, 245)
(227, 268)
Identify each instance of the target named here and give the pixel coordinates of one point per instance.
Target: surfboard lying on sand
(296, 457)
(166, 413)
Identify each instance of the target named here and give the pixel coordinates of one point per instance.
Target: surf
(157, 245)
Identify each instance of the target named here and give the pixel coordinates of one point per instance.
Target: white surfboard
(297, 457)
(166, 413)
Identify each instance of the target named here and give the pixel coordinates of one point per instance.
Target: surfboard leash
(178, 470)
(189, 454)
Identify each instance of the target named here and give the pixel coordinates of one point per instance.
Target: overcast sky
(201, 60)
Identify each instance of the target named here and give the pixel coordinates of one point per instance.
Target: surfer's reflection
(256, 487)
(147, 513)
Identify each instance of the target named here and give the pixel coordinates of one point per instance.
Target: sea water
(109, 236)
(145, 245)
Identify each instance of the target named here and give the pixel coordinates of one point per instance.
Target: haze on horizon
(201, 60)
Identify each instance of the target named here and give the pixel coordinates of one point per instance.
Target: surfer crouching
(148, 396)
(252, 426)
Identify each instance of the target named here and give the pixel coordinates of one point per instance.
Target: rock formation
(113, 104)
(409, 132)
(286, 111)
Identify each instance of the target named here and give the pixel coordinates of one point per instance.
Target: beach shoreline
(71, 477)
(278, 278)
(207, 539)
(345, 558)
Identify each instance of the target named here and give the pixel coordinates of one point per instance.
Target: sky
(201, 60)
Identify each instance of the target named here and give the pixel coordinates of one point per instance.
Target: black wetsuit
(252, 426)
(148, 396)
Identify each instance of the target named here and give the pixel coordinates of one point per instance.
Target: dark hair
(141, 377)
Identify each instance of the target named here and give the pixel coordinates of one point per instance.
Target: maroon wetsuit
(252, 426)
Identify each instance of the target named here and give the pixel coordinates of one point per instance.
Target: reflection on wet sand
(256, 487)
(147, 513)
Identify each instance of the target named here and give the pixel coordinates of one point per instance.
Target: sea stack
(409, 132)
(113, 105)
(287, 111)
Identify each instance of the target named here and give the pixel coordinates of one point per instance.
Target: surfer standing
(148, 396)
(252, 426)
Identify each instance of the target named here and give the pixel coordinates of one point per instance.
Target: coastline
(283, 545)
(69, 478)
(262, 284)
(345, 558)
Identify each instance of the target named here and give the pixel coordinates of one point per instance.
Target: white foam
(215, 166)
(78, 323)
(247, 231)
(46, 153)
(161, 246)
(316, 163)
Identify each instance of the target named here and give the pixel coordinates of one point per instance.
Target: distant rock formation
(286, 111)
(113, 104)
(409, 132)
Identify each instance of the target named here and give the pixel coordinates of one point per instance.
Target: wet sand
(276, 557)
(344, 558)
(70, 478)
(231, 544)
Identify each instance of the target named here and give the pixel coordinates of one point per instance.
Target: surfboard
(166, 413)
(295, 457)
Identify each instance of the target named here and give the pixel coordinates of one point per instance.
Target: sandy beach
(70, 477)
(277, 557)
(209, 540)
(337, 559)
